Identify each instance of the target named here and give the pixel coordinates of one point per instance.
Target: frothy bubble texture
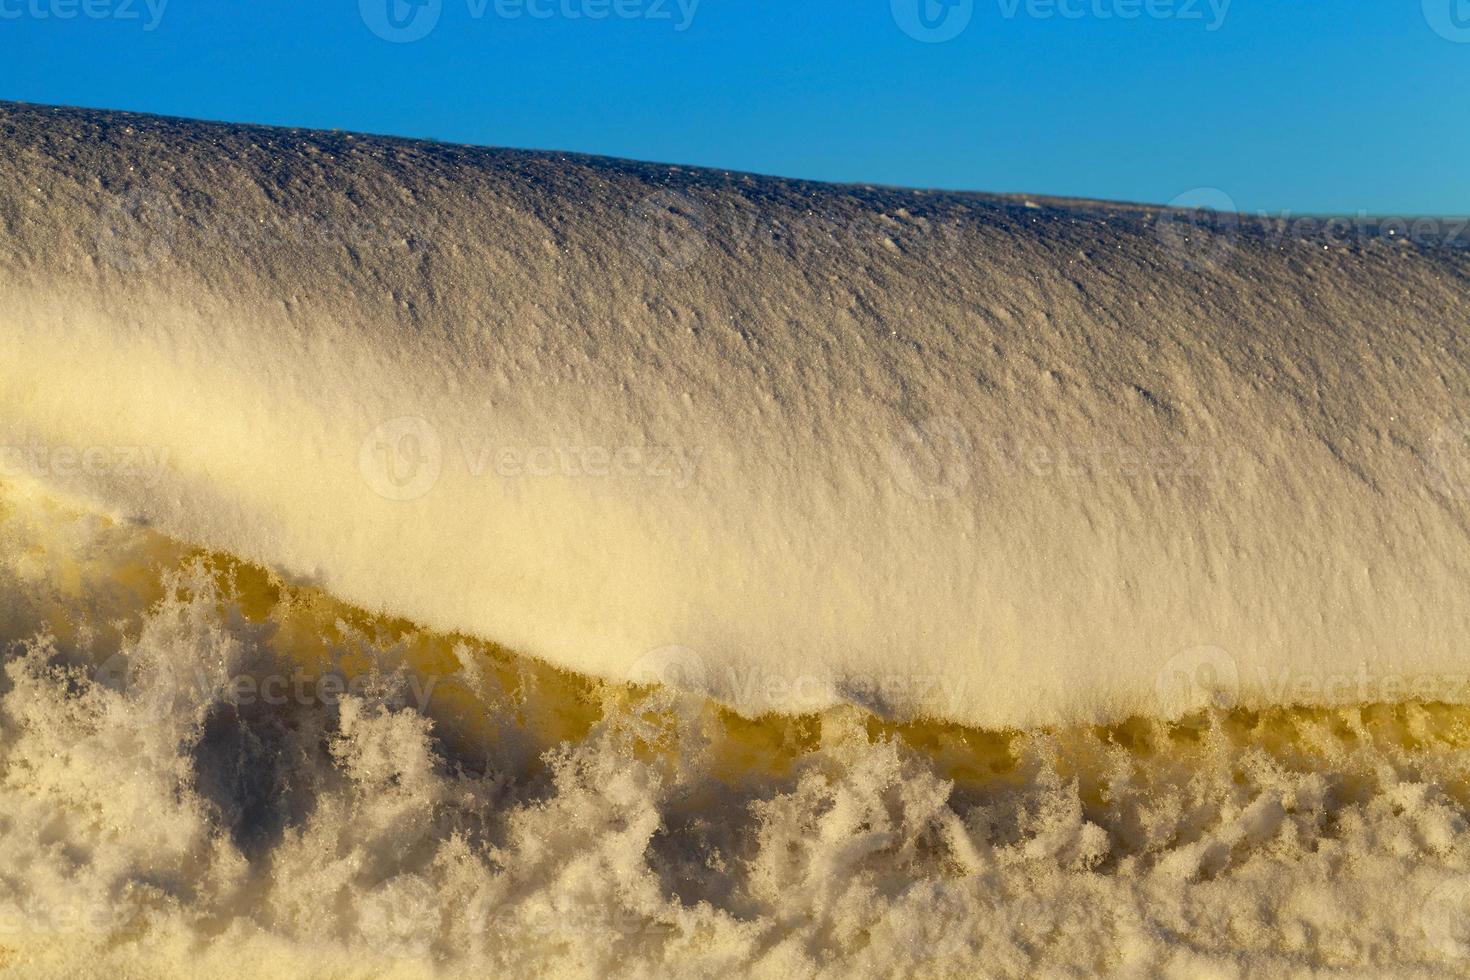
(1014, 540)
(467, 813)
(997, 461)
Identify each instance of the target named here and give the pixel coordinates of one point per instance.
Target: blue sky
(1284, 105)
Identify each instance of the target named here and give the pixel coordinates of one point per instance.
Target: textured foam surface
(1006, 462)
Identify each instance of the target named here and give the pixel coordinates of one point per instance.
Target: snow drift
(1002, 461)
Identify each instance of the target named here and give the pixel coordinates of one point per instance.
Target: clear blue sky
(1301, 105)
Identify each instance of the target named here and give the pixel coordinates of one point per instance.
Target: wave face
(997, 461)
(184, 793)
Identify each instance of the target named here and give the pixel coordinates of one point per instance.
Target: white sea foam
(826, 454)
(153, 823)
(940, 455)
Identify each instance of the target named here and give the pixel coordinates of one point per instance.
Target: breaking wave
(181, 789)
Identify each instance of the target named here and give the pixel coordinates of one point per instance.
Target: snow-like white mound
(1006, 462)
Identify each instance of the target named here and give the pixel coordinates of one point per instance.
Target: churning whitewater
(182, 793)
(422, 560)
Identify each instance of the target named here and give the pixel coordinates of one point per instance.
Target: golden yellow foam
(124, 574)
